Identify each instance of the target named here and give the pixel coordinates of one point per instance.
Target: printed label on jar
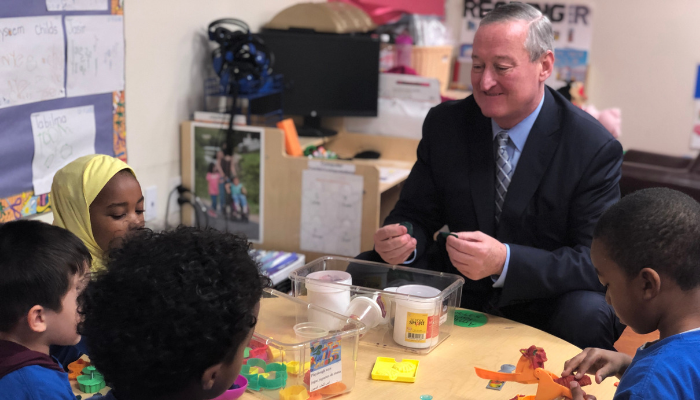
(433, 327)
(416, 327)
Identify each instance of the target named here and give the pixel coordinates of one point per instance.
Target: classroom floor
(629, 342)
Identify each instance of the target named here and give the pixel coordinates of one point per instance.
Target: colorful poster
(60, 136)
(571, 25)
(326, 367)
(32, 61)
(95, 54)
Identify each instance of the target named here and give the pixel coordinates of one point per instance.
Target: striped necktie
(503, 170)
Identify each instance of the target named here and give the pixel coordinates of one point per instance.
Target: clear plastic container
(417, 306)
(289, 354)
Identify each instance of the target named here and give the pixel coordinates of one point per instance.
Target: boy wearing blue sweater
(43, 268)
(646, 251)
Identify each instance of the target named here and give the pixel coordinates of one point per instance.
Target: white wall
(644, 57)
(166, 58)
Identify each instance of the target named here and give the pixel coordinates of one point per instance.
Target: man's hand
(394, 244)
(476, 255)
(598, 362)
(577, 392)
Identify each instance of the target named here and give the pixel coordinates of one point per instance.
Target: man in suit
(520, 176)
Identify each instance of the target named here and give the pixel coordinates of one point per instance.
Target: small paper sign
(469, 319)
(326, 367)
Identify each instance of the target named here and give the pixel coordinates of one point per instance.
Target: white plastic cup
(323, 291)
(417, 321)
(305, 332)
(365, 310)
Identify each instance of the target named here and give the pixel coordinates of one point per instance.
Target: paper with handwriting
(95, 54)
(77, 5)
(60, 136)
(32, 61)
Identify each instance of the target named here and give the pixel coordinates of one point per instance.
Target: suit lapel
(538, 152)
(482, 172)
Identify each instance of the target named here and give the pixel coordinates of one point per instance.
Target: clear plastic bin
(405, 308)
(289, 354)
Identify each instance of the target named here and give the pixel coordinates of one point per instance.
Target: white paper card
(32, 61)
(393, 175)
(326, 367)
(331, 212)
(95, 54)
(77, 5)
(60, 136)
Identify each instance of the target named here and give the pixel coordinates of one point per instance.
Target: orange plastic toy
(529, 370)
(76, 368)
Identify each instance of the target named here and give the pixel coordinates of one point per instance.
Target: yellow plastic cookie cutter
(388, 369)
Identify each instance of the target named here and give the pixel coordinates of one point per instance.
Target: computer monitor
(325, 75)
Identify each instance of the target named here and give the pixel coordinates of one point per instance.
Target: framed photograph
(225, 173)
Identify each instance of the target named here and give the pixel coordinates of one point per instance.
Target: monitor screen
(326, 74)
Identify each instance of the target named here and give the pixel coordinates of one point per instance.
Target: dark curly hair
(37, 264)
(169, 306)
(654, 228)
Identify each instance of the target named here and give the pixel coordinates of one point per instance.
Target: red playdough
(584, 381)
(536, 355)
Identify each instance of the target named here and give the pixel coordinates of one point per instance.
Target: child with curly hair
(187, 304)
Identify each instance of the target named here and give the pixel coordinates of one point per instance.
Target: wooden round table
(448, 371)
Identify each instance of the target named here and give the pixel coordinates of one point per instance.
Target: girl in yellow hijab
(98, 198)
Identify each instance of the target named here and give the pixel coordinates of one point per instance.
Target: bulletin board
(17, 140)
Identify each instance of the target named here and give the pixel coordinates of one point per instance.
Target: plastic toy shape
(294, 368)
(388, 369)
(76, 368)
(274, 354)
(240, 384)
(332, 389)
(258, 350)
(529, 370)
(91, 381)
(295, 392)
(261, 375)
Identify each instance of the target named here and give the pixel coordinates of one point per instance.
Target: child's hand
(602, 363)
(577, 392)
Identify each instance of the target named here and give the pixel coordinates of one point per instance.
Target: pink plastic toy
(233, 394)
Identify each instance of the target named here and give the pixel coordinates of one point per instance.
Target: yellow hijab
(74, 188)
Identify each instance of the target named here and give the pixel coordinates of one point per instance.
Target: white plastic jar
(417, 321)
(324, 291)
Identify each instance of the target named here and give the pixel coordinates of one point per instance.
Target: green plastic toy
(91, 381)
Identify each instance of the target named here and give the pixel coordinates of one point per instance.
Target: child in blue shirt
(646, 251)
(240, 201)
(43, 268)
(171, 317)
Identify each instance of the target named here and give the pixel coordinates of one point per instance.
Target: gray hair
(539, 35)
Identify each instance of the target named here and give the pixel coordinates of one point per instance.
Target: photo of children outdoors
(228, 179)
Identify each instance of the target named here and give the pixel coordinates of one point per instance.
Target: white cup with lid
(366, 310)
(417, 318)
(325, 289)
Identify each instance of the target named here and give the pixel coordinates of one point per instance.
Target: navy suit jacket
(566, 177)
